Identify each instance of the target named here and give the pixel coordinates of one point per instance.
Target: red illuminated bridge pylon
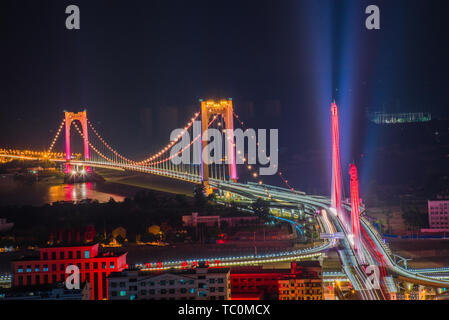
(69, 118)
(336, 169)
(355, 209)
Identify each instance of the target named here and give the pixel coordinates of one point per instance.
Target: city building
(329, 292)
(392, 287)
(50, 267)
(300, 287)
(210, 221)
(248, 296)
(393, 118)
(438, 216)
(409, 291)
(272, 282)
(200, 283)
(5, 280)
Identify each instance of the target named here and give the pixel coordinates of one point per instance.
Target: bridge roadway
(330, 224)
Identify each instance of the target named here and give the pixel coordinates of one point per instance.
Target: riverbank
(53, 189)
(134, 181)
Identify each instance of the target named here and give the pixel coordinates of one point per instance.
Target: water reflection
(13, 192)
(78, 192)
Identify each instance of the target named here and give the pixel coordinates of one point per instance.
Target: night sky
(134, 63)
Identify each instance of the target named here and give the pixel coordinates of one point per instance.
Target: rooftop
(70, 245)
(301, 268)
(170, 271)
(39, 288)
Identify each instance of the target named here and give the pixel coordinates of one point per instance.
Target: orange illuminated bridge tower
(210, 108)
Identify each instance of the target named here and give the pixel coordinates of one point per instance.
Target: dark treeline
(33, 224)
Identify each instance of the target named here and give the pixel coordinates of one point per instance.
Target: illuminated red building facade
(50, 267)
(247, 282)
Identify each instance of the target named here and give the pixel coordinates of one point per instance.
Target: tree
(261, 208)
(199, 195)
(7, 242)
(148, 237)
(182, 200)
(102, 238)
(414, 218)
(212, 197)
(120, 239)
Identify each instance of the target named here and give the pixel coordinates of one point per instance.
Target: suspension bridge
(182, 159)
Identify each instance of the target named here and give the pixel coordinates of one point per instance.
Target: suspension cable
(172, 143)
(56, 136)
(92, 146)
(107, 145)
(248, 166)
(183, 149)
(152, 157)
(284, 180)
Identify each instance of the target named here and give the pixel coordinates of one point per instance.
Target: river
(19, 193)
